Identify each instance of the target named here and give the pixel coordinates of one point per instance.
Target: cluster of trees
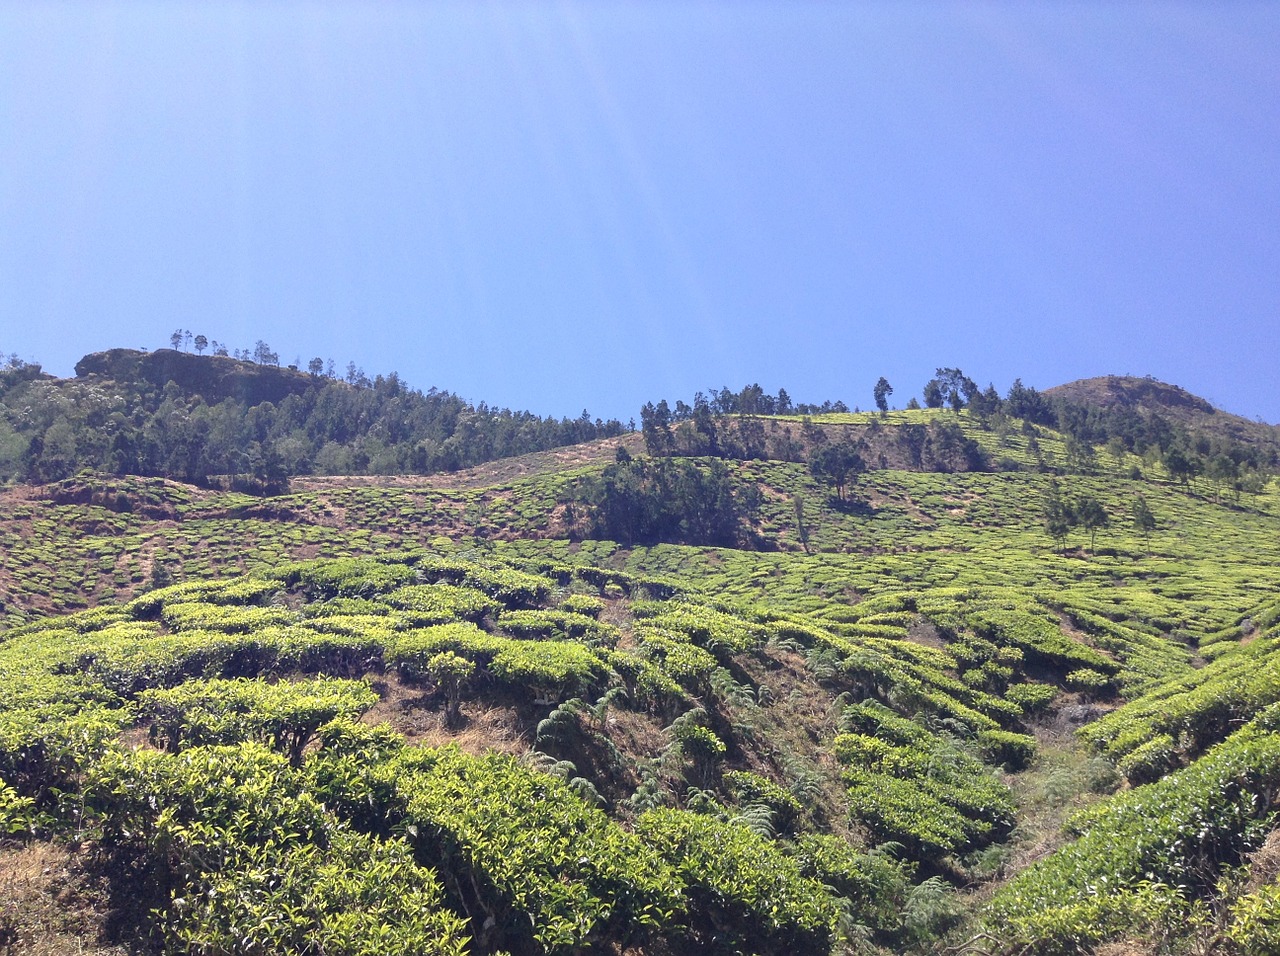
(51, 429)
(262, 354)
(701, 430)
(1225, 464)
(1064, 515)
(1194, 460)
(704, 431)
(951, 388)
(182, 339)
(751, 400)
(647, 500)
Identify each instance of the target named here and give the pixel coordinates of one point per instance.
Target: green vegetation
(993, 676)
(194, 417)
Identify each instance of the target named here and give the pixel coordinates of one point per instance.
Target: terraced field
(431, 716)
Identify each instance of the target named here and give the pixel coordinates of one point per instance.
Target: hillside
(215, 378)
(1148, 396)
(219, 421)
(447, 713)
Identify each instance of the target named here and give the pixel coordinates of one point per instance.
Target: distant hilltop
(213, 377)
(1149, 396)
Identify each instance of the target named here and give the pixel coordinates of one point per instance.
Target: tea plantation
(406, 716)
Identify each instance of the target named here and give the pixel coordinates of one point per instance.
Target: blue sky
(564, 205)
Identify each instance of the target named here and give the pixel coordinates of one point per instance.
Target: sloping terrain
(437, 715)
(1149, 396)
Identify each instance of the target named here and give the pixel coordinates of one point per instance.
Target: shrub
(744, 893)
(559, 871)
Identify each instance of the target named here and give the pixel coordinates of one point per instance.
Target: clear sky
(555, 206)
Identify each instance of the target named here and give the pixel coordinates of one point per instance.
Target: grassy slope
(954, 549)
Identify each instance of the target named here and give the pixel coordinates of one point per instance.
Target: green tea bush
(744, 894)
(1031, 697)
(441, 603)
(346, 607)
(1255, 922)
(242, 859)
(17, 813)
(553, 671)
(687, 664)
(44, 750)
(513, 589)
(345, 577)
(354, 897)
(1040, 638)
(284, 716)
(720, 633)
(583, 604)
(1014, 751)
(215, 617)
(909, 785)
(750, 788)
(560, 874)
(558, 625)
(1198, 709)
(411, 650)
(874, 884)
(647, 684)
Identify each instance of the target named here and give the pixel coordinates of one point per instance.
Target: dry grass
(48, 905)
(494, 473)
(488, 724)
(1264, 863)
(1126, 947)
(795, 732)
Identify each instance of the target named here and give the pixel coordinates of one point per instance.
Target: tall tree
(933, 397)
(1118, 452)
(202, 343)
(1092, 516)
(1181, 466)
(838, 465)
(704, 424)
(1144, 522)
(950, 386)
(1029, 405)
(882, 391)
(1221, 470)
(655, 425)
(1080, 456)
(263, 355)
(983, 405)
(1058, 516)
(802, 529)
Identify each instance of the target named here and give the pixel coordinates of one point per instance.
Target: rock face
(213, 377)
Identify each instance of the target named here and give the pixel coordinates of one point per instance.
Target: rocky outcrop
(212, 377)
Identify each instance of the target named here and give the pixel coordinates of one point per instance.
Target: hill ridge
(1148, 394)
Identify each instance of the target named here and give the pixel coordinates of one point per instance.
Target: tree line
(51, 429)
(729, 424)
(262, 354)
